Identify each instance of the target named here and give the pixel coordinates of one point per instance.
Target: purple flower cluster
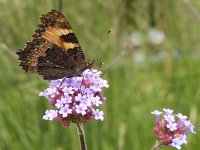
(76, 99)
(172, 129)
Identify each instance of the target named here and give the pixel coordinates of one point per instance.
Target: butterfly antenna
(101, 41)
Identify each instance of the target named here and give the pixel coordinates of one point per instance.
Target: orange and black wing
(54, 51)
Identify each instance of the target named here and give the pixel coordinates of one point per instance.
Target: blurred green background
(151, 61)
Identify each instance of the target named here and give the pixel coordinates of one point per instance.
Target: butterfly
(53, 51)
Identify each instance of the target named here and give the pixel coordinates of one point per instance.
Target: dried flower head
(172, 129)
(76, 99)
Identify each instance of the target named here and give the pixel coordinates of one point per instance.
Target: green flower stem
(157, 145)
(81, 135)
(60, 5)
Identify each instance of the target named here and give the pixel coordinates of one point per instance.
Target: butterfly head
(89, 64)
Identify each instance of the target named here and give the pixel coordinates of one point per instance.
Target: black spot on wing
(69, 38)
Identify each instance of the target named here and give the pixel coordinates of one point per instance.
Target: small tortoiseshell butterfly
(54, 51)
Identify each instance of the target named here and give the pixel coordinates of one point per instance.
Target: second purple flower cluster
(172, 129)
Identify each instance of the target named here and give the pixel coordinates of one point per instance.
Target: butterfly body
(54, 51)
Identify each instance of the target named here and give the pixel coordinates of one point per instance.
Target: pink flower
(171, 130)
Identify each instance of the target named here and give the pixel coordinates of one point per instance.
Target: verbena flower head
(76, 99)
(171, 129)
